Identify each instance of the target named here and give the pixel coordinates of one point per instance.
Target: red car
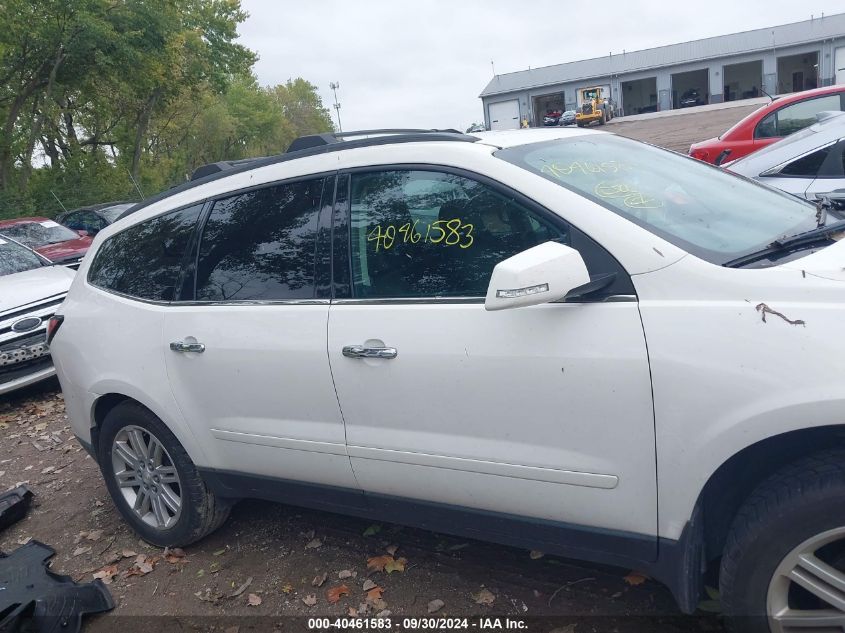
(52, 240)
(772, 122)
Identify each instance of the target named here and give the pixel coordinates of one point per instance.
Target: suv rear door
(259, 390)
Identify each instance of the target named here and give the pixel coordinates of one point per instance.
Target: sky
(423, 63)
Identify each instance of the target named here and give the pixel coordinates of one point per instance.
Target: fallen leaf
(334, 594)
(144, 569)
(391, 549)
(106, 574)
(47, 470)
(352, 612)
(379, 605)
(536, 554)
(377, 563)
(435, 605)
(241, 589)
(253, 600)
(310, 600)
(635, 578)
(319, 580)
(128, 553)
(395, 565)
(344, 574)
(81, 550)
(374, 529)
(485, 596)
(374, 594)
(369, 584)
(710, 606)
(220, 552)
(384, 614)
(287, 589)
(313, 544)
(94, 535)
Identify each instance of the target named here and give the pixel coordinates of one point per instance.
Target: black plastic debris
(13, 505)
(34, 599)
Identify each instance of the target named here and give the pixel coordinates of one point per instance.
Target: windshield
(111, 214)
(712, 214)
(14, 258)
(36, 234)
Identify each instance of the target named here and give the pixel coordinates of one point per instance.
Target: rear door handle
(185, 348)
(359, 351)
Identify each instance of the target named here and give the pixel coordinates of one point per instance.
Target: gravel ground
(271, 566)
(270, 562)
(678, 131)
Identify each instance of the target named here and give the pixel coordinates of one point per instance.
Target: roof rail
(330, 138)
(335, 141)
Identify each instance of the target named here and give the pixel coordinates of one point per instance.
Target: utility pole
(335, 86)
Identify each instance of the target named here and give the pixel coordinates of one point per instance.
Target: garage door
(504, 115)
(839, 60)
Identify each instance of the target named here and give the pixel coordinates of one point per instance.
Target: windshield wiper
(789, 242)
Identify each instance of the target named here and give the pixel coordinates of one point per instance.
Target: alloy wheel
(807, 590)
(147, 477)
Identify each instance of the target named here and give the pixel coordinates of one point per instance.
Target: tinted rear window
(145, 260)
(260, 245)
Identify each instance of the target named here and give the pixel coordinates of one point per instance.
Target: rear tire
(786, 548)
(153, 482)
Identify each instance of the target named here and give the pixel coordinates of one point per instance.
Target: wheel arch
(105, 403)
(737, 477)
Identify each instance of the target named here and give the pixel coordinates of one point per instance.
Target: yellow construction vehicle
(593, 106)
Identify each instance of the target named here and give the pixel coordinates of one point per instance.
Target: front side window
(434, 234)
(145, 260)
(795, 117)
(799, 115)
(260, 245)
(713, 214)
(16, 259)
(37, 234)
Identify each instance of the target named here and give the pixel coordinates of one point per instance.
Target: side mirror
(542, 274)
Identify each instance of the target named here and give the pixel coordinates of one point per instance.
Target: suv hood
(20, 289)
(828, 263)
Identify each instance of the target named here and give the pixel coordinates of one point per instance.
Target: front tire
(783, 567)
(153, 482)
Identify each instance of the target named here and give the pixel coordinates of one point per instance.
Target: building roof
(814, 30)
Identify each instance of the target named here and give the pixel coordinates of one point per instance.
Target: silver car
(809, 164)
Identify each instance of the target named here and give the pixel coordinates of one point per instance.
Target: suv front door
(541, 413)
(259, 393)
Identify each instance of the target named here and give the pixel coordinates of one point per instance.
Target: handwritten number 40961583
(452, 232)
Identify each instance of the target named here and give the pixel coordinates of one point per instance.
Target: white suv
(556, 339)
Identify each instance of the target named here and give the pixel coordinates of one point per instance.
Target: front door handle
(185, 348)
(359, 351)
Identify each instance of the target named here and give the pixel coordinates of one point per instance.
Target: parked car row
(557, 117)
(770, 123)
(38, 259)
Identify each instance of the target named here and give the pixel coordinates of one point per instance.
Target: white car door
(246, 355)
(542, 413)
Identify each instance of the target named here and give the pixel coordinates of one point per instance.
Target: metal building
(774, 60)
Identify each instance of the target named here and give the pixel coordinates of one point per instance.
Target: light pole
(335, 86)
